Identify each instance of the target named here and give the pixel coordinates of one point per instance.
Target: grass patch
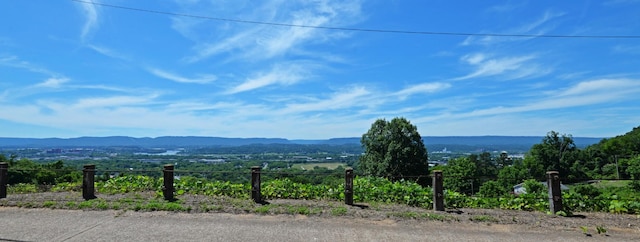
(86, 204)
(21, 188)
(303, 210)
(608, 184)
(339, 211)
(49, 204)
(263, 209)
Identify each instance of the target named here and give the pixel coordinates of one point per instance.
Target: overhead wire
(390, 31)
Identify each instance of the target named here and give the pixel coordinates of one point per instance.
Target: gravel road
(20, 224)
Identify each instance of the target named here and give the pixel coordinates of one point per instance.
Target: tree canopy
(556, 152)
(394, 150)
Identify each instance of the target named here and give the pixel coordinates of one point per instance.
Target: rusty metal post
(4, 176)
(555, 193)
(348, 186)
(256, 195)
(88, 179)
(168, 189)
(438, 191)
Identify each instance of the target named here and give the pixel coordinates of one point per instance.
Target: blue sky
(70, 69)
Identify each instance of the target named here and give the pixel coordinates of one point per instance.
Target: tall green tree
(556, 152)
(394, 150)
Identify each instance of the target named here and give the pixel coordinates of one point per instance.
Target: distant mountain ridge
(199, 141)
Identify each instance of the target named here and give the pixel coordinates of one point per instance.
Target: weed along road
(19, 224)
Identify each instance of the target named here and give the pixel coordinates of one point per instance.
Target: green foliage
(27, 171)
(125, 184)
(492, 189)
(532, 186)
(372, 189)
(393, 150)
(460, 175)
(633, 168)
(21, 188)
(586, 190)
(339, 211)
(555, 153)
(512, 175)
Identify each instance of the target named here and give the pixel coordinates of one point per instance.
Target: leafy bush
(491, 189)
(372, 189)
(586, 190)
(532, 186)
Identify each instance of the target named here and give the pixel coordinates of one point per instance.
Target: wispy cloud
(342, 99)
(91, 20)
(581, 94)
(260, 42)
(507, 67)
(112, 101)
(613, 86)
(539, 26)
(15, 62)
(108, 52)
(52, 83)
(202, 79)
(279, 74)
(422, 88)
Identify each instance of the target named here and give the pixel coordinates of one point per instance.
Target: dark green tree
(509, 176)
(555, 153)
(486, 167)
(460, 175)
(394, 150)
(633, 168)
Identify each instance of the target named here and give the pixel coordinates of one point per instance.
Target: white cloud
(203, 79)
(108, 52)
(15, 62)
(422, 88)
(280, 74)
(474, 59)
(354, 97)
(539, 26)
(508, 67)
(52, 83)
(603, 86)
(91, 20)
(582, 94)
(114, 101)
(254, 42)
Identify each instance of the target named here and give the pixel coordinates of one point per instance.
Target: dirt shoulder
(588, 224)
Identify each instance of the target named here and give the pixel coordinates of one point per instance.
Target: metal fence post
(168, 189)
(88, 179)
(348, 186)
(256, 195)
(438, 194)
(4, 176)
(555, 193)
